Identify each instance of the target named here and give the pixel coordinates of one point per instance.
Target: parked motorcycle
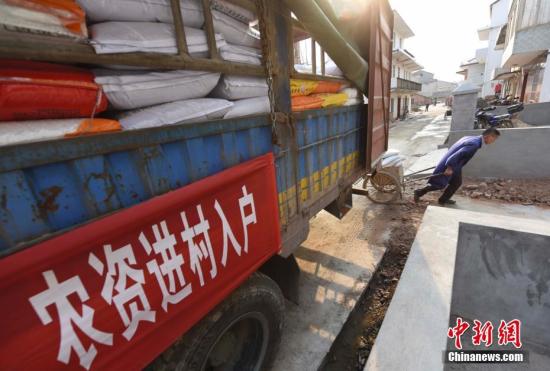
(484, 119)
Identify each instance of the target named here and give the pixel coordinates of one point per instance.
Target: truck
(172, 247)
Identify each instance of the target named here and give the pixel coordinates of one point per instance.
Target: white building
(525, 57)
(403, 84)
(433, 88)
(473, 70)
(495, 35)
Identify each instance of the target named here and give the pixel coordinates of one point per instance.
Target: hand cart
(385, 185)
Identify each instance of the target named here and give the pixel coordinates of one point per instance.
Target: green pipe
(319, 26)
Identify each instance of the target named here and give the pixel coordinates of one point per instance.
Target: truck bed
(51, 187)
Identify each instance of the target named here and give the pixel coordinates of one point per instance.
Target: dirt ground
(526, 192)
(352, 346)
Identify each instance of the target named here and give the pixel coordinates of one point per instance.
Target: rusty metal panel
(380, 55)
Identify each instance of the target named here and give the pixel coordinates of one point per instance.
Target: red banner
(117, 292)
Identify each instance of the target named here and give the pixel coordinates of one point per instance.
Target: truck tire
(242, 333)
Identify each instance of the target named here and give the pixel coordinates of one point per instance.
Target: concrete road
(339, 257)
(337, 261)
(420, 134)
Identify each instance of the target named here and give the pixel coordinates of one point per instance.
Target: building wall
(519, 153)
(476, 73)
(405, 102)
(545, 89)
(499, 17)
(398, 70)
(423, 77)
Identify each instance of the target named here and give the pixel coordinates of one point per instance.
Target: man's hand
(448, 171)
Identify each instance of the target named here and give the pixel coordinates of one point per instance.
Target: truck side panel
(115, 293)
(90, 177)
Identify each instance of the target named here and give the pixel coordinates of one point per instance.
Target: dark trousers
(454, 184)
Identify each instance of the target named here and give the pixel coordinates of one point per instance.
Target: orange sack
(300, 87)
(302, 103)
(68, 12)
(95, 126)
(35, 90)
(323, 100)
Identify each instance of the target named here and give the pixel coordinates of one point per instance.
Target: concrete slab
(502, 274)
(337, 261)
(420, 135)
(499, 208)
(413, 335)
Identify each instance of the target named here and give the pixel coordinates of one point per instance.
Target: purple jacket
(458, 155)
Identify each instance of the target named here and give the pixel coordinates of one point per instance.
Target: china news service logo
(503, 339)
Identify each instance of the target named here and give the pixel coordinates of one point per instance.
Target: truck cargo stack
(159, 165)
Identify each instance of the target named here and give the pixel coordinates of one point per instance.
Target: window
(391, 104)
(398, 71)
(393, 71)
(501, 37)
(308, 53)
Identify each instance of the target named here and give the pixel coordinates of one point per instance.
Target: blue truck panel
(50, 187)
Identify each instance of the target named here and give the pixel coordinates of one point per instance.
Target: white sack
(392, 161)
(390, 152)
(240, 87)
(331, 69)
(126, 37)
(353, 102)
(241, 54)
(134, 89)
(142, 11)
(235, 32)
(351, 93)
(248, 107)
(193, 110)
(234, 11)
(17, 132)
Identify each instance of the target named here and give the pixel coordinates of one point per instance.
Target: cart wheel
(382, 187)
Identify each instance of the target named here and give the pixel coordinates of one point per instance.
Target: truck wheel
(241, 333)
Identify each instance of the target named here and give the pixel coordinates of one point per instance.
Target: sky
(445, 32)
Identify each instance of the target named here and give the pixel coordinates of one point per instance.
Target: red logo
(508, 332)
(457, 331)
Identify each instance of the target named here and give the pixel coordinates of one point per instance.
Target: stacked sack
(41, 101)
(125, 26)
(164, 98)
(143, 98)
(50, 17)
(249, 94)
(157, 98)
(308, 94)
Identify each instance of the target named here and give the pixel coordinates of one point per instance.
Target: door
(399, 107)
(379, 59)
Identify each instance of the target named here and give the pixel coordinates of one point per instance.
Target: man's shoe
(416, 196)
(448, 202)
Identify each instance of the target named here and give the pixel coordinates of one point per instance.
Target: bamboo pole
(179, 30)
(209, 26)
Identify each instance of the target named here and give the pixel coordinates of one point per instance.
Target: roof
(483, 33)
(506, 75)
(403, 56)
(469, 62)
(400, 26)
